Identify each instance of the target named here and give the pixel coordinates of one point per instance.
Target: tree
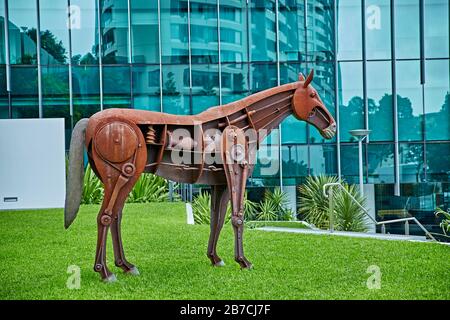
(50, 44)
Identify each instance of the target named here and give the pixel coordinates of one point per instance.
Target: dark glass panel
(320, 30)
(22, 31)
(409, 101)
(4, 108)
(233, 31)
(144, 31)
(380, 107)
(292, 30)
(322, 160)
(2, 33)
(24, 92)
(438, 162)
(412, 168)
(378, 29)
(84, 32)
(204, 33)
(205, 87)
(146, 89)
(351, 102)
(437, 30)
(114, 31)
(54, 32)
(295, 163)
(174, 31)
(86, 91)
(176, 91)
(263, 30)
(381, 163)
(437, 100)
(267, 168)
(349, 30)
(116, 87)
(234, 82)
(407, 29)
(263, 76)
(350, 163)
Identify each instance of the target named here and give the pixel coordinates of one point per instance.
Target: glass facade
(382, 65)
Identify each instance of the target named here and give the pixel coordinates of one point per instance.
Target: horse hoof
(111, 279)
(133, 271)
(219, 264)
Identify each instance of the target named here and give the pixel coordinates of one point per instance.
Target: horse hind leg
(219, 201)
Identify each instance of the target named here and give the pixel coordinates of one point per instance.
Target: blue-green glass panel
(263, 30)
(380, 102)
(322, 159)
(351, 102)
(292, 40)
(176, 92)
(320, 30)
(267, 168)
(350, 163)
(378, 29)
(86, 91)
(204, 32)
(295, 163)
(438, 162)
(263, 76)
(114, 31)
(24, 92)
(22, 28)
(234, 82)
(437, 30)
(412, 168)
(407, 29)
(2, 33)
(380, 163)
(116, 87)
(349, 23)
(4, 108)
(84, 32)
(233, 31)
(205, 87)
(174, 31)
(54, 32)
(409, 101)
(437, 100)
(146, 88)
(144, 31)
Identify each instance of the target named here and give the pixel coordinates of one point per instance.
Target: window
(86, 91)
(407, 34)
(116, 87)
(378, 29)
(349, 30)
(437, 28)
(24, 92)
(292, 31)
(233, 31)
(263, 31)
(412, 168)
(320, 30)
(174, 45)
(114, 31)
(205, 87)
(146, 90)
(176, 89)
(144, 31)
(380, 163)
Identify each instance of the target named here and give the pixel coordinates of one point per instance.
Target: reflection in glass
(407, 34)
(295, 163)
(205, 87)
(351, 102)
(114, 31)
(24, 92)
(22, 31)
(176, 89)
(116, 87)
(350, 163)
(411, 163)
(349, 30)
(409, 101)
(378, 29)
(144, 31)
(267, 168)
(146, 90)
(322, 160)
(292, 30)
(174, 31)
(263, 76)
(263, 30)
(233, 31)
(380, 163)
(437, 28)
(437, 100)
(2, 33)
(234, 82)
(54, 32)
(86, 91)
(204, 35)
(438, 162)
(379, 92)
(84, 33)
(320, 30)
(4, 109)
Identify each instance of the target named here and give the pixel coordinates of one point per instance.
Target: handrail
(379, 223)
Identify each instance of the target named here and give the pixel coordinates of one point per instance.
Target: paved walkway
(348, 234)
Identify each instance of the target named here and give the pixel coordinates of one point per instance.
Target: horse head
(308, 106)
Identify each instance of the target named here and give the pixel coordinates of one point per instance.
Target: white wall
(32, 163)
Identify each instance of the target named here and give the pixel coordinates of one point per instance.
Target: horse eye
(313, 95)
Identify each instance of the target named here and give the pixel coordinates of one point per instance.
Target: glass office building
(382, 65)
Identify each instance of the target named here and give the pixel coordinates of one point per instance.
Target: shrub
(92, 188)
(201, 208)
(349, 216)
(445, 224)
(149, 188)
(273, 207)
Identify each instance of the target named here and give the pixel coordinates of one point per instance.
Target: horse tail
(74, 184)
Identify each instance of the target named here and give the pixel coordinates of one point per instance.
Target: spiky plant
(201, 208)
(350, 216)
(250, 209)
(445, 224)
(92, 188)
(267, 211)
(313, 204)
(149, 188)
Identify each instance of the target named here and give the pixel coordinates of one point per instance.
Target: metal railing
(329, 195)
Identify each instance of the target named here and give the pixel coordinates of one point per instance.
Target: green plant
(92, 188)
(445, 224)
(250, 209)
(274, 206)
(267, 211)
(201, 208)
(149, 188)
(314, 206)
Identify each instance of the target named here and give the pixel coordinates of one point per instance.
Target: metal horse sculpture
(122, 143)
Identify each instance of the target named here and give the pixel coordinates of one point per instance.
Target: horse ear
(309, 79)
(301, 77)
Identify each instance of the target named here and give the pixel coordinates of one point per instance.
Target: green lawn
(36, 252)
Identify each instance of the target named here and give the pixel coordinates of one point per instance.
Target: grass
(36, 252)
(279, 224)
